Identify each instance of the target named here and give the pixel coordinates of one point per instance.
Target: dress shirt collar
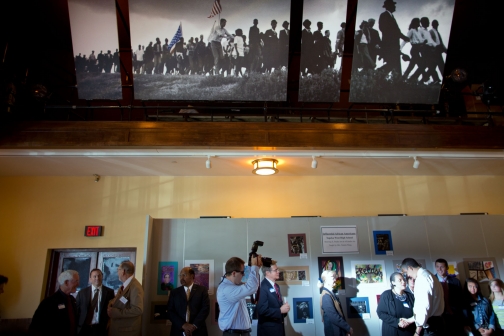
(127, 282)
(442, 279)
(190, 287)
(271, 283)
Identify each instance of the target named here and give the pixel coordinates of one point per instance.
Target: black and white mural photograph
(210, 49)
(400, 49)
(322, 42)
(96, 48)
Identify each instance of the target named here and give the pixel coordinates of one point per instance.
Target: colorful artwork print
(303, 309)
(293, 275)
(297, 244)
(369, 274)
(481, 270)
(382, 242)
(203, 270)
(167, 276)
(334, 264)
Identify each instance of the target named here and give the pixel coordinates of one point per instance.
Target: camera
(253, 253)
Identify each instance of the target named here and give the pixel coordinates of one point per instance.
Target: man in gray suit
(92, 304)
(126, 308)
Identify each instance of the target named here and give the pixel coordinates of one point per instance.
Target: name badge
(272, 290)
(61, 306)
(123, 300)
(405, 304)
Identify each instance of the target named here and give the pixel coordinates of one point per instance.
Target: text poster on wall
(210, 49)
(322, 41)
(400, 50)
(96, 48)
(339, 239)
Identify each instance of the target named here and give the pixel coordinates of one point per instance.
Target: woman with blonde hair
(497, 300)
(330, 307)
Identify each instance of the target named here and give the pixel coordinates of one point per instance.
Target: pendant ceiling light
(265, 167)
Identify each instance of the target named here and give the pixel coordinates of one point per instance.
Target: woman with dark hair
(415, 38)
(396, 307)
(497, 299)
(479, 311)
(330, 307)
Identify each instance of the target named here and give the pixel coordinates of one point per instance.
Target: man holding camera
(234, 318)
(270, 308)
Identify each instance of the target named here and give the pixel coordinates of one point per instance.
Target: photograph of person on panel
(96, 48)
(322, 42)
(400, 50)
(210, 50)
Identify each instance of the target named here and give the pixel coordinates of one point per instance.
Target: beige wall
(41, 213)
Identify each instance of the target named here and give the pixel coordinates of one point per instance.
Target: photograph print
(369, 272)
(303, 309)
(400, 50)
(333, 264)
(357, 307)
(382, 242)
(322, 43)
(483, 270)
(95, 44)
(297, 244)
(203, 270)
(167, 276)
(210, 49)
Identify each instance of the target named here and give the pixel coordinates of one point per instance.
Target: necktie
(188, 293)
(278, 292)
(93, 306)
(71, 316)
(94, 302)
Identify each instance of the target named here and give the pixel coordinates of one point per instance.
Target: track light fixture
(314, 162)
(97, 177)
(208, 163)
(416, 164)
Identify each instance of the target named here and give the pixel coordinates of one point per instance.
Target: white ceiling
(173, 162)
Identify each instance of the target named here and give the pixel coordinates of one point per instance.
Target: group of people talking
(422, 303)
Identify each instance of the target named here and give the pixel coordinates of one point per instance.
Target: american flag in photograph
(175, 38)
(216, 9)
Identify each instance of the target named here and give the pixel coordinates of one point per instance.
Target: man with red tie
(270, 309)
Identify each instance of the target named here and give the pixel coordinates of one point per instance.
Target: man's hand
(188, 328)
(257, 261)
(285, 308)
(350, 332)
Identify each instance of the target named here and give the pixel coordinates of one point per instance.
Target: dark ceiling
(40, 52)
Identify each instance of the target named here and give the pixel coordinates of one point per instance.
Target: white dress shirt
(96, 315)
(429, 297)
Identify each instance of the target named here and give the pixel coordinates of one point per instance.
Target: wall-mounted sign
(339, 239)
(93, 231)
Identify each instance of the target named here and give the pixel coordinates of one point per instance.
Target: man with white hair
(57, 314)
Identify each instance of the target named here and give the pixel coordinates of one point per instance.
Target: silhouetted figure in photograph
(439, 49)
(318, 47)
(92, 62)
(391, 33)
(416, 46)
(101, 62)
(306, 48)
(283, 44)
(374, 46)
(116, 61)
(216, 37)
(109, 62)
(428, 53)
(255, 56)
(270, 54)
(327, 60)
(148, 58)
(362, 41)
(340, 42)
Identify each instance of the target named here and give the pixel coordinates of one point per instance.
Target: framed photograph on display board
(303, 309)
(204, 273)
(334, 264)
(297, 244)
(294, 275)
(159, 314)
(339, 239)
(481, 269)
(369, 272)
(167, 276)
(358, 307)
(382, 242)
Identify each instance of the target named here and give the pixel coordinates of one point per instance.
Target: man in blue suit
(270, 309)
(188, 306)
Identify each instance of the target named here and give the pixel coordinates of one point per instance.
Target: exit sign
(93, 231)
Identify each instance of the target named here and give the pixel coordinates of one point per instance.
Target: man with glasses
(125, 310)
(270, 309)
(188, 306)
(234, 318)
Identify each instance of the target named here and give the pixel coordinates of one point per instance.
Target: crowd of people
(229, 53)
(422, 303)
(426, 53)
(108, 63)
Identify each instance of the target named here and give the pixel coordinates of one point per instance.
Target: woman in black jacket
(396, 305)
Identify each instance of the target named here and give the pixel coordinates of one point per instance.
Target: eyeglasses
(242, 272)
(275, 270)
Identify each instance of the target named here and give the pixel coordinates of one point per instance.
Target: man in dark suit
(390, 49)
(57, 314)
(271, 50)
(188, 306)
(92, 304)
(270, 309)
(375, 40)
(283, 42)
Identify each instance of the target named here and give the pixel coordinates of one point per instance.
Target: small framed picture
(303, 309)
(382, 242)
(297, 244)
(358, 307)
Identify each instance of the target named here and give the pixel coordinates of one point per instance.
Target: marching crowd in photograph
(426, 51)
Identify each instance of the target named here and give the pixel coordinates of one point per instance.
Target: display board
(461, 239)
